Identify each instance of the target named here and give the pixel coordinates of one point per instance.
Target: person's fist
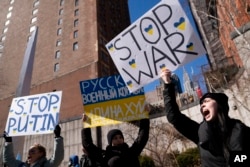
(57, 131)
(166, 76)
(7, 138)
(84, 117)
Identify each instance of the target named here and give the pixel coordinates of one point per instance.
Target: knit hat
(220, 98)
(112, 133)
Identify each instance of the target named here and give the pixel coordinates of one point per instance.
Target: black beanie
(220, 98)
(112, 133)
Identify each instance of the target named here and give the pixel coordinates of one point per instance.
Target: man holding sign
(31, 115)
(36, 154)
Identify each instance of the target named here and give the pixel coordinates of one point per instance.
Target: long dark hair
(225, 130)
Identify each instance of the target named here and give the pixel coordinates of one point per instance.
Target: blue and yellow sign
(107, 101)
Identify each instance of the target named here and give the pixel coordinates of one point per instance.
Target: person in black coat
(118, 153)
(93, 156)
(221, 140)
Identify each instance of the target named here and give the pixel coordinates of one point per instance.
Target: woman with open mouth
(221, 140)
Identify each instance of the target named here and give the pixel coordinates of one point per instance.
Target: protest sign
(107, 101)
(35, 114)
(162, 38)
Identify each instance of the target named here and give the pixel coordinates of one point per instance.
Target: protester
(93, 156)
(118, 153)
(219, 137)
(73, 161)
(86, 160)
(36, 154)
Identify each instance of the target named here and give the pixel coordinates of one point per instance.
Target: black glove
(7, 138)
(57, 131)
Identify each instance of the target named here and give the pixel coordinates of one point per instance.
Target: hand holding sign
(6, 137)
(57, 131)
(163, 36)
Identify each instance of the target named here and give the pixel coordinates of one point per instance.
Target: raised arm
(92, 150)
(181, 122)
(142, 137)
(58, 154)
(8, 153)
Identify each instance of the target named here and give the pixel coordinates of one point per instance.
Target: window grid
(75, 46)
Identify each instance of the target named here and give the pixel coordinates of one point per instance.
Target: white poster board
(161, 38)
(35, 114)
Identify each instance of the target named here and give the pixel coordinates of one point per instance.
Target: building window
(76, 23)
(59, 21)
(56, 67)
(59, 31)
(76, 12)
(12, 1)
(8, 15)
(33, 20)
(61, 2)
(3, 38)
(58, 43)
(36, 4)
(60, 11)
(7, 22)
(75, 46)
(76, 34)
(76, 2)
(32, 28)
(5, 30)
(35, 11)
(10, 8)
(58, 54)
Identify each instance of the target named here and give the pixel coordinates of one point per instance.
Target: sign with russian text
(107, 101)
(35, 114)
(161, 38)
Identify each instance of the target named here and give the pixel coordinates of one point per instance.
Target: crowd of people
(218, 137)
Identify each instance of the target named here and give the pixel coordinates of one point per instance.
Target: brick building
(70, 48)
(224, 27)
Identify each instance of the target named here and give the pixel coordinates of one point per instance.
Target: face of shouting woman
(209, 109)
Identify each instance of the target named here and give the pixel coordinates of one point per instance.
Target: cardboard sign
(107, 101)
(35, 114)
(162, 38)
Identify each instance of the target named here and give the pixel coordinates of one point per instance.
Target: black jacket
(95, 154)
(127, 155)
(206, 136)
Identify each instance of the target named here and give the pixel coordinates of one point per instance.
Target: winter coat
(206, 136)
(128, 155)
(95, 154)
(85, 161)
(54, 161)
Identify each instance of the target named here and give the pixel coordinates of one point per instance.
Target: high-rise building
(70, 47)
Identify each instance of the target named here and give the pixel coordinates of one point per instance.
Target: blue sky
(137, 8)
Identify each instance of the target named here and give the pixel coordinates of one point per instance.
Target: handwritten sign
(162, 38)
(35, 114)
(107, 101)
